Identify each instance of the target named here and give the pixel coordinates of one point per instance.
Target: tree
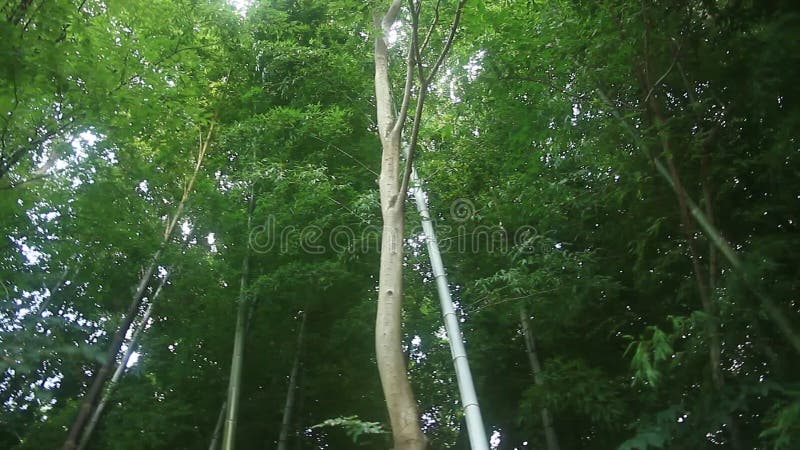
(393, 184)
(586, 165)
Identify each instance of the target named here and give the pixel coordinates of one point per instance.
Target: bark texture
(400, 400)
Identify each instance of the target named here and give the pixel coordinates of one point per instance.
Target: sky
(241, 5)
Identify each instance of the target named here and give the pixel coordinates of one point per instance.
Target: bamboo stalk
(536, 368)
(218, 427)
(466, 387)
(112, 384)
(288, 408)
(93, 394)
(237, 358)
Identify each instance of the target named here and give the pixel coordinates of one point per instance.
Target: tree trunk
(98, 412)
(215, 437)
(93, 394)
(218, 427)
(234, 383)
(702, 274)
(400, 401)
(772, 310)
(299, 433)
(242, 325)
(393, 184)
(536, 368)
(288, 408)
(466, 387)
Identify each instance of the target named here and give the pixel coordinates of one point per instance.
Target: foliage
(353, 426)
(537, 152)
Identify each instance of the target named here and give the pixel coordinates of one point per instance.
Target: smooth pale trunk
(466, 387)
(288, 407)
(400, 402)
(397, 392)
(536, 368)
(98, 412)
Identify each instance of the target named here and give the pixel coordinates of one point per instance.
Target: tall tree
(240, 332)
(588, 162)
(94, 393)
(393, 185)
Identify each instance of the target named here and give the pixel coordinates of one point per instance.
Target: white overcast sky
(241, 5)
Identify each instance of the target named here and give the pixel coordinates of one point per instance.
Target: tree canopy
(611, 184)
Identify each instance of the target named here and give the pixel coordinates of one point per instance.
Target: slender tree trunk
(96, 388)
(466, 386)
(288, 408)
(215, 437)
(218, 427)
(393, 183)
(234, 383)
(773, 311)
(400, 401)
(536, 368)
(242, 325)
(702, 274)
(112, 384)
(299, 433)
(704, 220)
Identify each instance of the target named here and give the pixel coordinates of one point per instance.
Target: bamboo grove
(307, 224)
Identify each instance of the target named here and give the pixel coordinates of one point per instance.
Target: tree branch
(423, 89)
(415, 40)
(449, 43)
(412, 146)
(8, 162)
(427, 39)
(661, 78)
(389, 17)
(29, 180)
(401, 116)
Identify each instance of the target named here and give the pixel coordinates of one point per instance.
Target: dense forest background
(615, 184)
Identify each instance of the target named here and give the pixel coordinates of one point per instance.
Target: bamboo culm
(288, 408)
(92, 396)
(237, 358)
(218, 427)
(112, 384)
(466, 387)
(533, 359)
(770, 307)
